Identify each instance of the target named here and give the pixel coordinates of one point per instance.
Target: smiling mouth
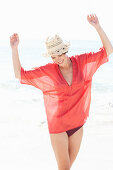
(60, 62)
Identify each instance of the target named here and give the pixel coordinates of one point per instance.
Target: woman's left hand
(93, 20)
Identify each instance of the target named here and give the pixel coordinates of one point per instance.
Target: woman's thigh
(60, 144)
(74, 144)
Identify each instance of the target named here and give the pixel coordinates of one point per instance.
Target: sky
(38, 19)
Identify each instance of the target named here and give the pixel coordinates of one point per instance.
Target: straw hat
(55, 46)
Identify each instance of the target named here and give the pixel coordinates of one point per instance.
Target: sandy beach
(25, 142)
(28, 147)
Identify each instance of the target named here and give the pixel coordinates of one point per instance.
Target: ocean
(22, 111)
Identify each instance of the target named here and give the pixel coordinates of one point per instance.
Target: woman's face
(59, 59)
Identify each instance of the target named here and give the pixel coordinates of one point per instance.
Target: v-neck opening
(63, 76)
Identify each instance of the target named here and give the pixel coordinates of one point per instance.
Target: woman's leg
(66, 148)
(60, 145)
(74, 142)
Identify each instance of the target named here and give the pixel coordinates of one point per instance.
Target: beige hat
(55, 46)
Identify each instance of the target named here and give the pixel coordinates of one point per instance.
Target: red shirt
(67, 107)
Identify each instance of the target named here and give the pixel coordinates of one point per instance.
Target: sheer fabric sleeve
(90, 62)
(32, 77)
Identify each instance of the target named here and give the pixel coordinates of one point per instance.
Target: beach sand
(25, 142)
(26, 146)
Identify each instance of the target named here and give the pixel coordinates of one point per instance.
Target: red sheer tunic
(66, 106)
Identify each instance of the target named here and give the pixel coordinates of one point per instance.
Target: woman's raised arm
(93, 20)
(14, 41)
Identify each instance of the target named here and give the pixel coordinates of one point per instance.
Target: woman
(66, 87)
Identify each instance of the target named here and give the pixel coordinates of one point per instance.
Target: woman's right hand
(14, 40)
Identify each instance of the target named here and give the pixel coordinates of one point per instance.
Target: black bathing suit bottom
(71, 131)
